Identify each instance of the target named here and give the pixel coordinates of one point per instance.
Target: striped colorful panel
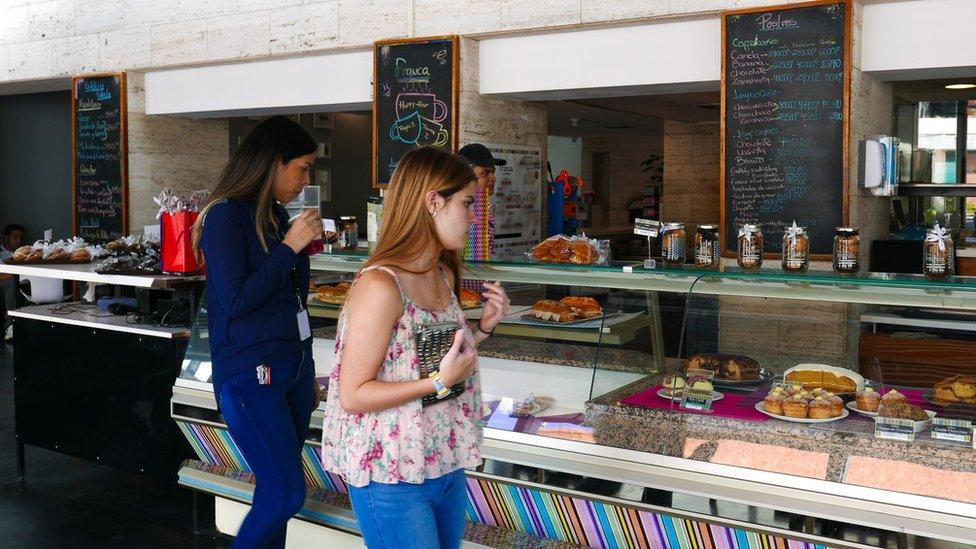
(215, 446)
(602, 525)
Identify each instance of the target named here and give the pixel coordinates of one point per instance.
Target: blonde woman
(404, 462)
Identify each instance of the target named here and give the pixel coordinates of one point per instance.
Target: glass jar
(707, 254)
(673, 242)
(349, 239)
(796, 250)
(750, 254)
(847, 246)
(937, 260)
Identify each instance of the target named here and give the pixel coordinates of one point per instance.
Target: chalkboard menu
(100, 187)
(785, 103)
(415, 98)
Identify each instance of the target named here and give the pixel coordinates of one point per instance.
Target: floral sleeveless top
(409, 443)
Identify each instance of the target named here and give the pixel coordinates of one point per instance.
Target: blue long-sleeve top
(252, 296)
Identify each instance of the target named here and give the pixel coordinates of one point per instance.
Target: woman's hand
(459, 362)
(318, 395)
(496, 306)
(304, 229)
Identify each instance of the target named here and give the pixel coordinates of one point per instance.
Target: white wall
(328, 82)
(566, 153)
(918, 39)
(663, 57)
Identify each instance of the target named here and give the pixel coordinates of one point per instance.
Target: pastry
(583, 253)
(893, 397)
(21, 253)
(774, 402)
(903, 410)
(805, 396)
(554, 249)
(116, 246)
(81, 255)
(795, 406)
(729, 367)
(960, 388)
(868, 400)
(548, 309)
(674, 382)
(702, 385)
(795, 389)
(837, 380)
(331, 294)
(469, 298)
(312, 285)
(584, 307)
(57, 255)
(36, 256)
(836, 405)
(819, 408)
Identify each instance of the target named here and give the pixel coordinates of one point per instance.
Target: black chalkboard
(785, 104)
(415, 98)
(99, 150)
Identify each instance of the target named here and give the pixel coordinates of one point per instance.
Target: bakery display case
(749, 386)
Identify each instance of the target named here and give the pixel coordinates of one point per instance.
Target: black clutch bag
(433, 342)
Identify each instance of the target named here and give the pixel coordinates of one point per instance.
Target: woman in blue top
(260, 341)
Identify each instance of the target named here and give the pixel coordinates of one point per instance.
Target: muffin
(836, 405)
(820, 392)
(794, 389)
(806, 395)
(868, 400)
(894, 397)
(795, 406)
(774, 402)
(819, 408)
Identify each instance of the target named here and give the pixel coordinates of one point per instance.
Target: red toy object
(567, 181)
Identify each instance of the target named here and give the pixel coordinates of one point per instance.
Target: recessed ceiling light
(960, 86)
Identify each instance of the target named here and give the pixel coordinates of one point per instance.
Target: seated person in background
(13, 235)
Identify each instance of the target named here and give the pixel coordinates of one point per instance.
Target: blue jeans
(269, 424)
(412, 516)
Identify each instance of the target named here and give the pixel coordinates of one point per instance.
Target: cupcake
(836, 405)
(820, 392)
(805, 395)
(868, 400)
(894, 397)
(819, 408)
(795, 406)
(795, 389)
(774, 402)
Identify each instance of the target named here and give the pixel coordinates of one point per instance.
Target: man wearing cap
(483, 164)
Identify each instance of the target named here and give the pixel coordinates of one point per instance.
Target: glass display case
(593, 394)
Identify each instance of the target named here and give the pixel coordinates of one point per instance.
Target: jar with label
(707, 254)
(673, 238)
(796, 248)
(750, 247)
(350, 232)
(847, 247)
(937, 260)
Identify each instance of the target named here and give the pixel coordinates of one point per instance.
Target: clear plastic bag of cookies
(576, 250)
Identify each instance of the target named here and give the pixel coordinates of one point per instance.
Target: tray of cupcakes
(891, 404)
(791, 402)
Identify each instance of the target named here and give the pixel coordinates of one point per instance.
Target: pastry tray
(764, 376)
(761, 407)
(607, 313)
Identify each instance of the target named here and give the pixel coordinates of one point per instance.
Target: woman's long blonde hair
(249, 175)
(408, 231)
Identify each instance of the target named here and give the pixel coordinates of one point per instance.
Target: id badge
(304, 329)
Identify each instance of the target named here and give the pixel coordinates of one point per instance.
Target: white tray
(852, 405)
(761, 406)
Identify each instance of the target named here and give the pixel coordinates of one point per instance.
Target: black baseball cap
(479, 155)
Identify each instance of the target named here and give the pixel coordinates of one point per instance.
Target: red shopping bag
(176, 244)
